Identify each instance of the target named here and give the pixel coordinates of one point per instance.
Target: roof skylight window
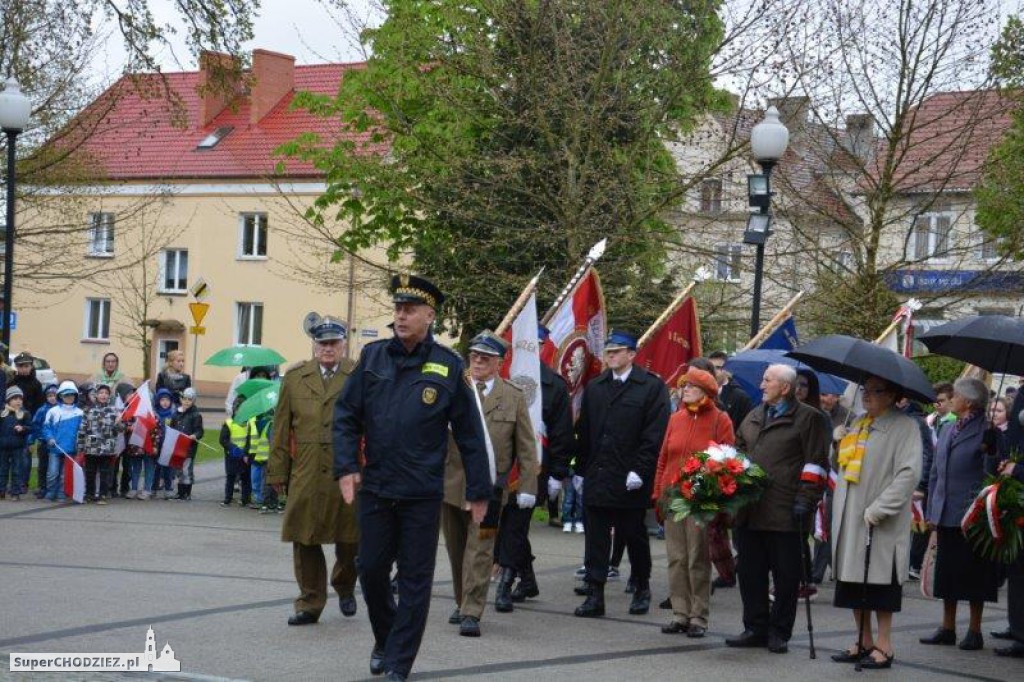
(211, 140)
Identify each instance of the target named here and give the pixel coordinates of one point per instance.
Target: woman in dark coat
(962, 458)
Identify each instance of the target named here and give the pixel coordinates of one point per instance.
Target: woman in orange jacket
(697, 424)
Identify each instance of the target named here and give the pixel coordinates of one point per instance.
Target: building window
(101, 234)
(254, 235)
(988, 246)
(727, 262)
(174, 271)
(711, 196)
(249, 324)
(97, 319)
(930, 236)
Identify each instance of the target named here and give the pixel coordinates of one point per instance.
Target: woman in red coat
(697, 424)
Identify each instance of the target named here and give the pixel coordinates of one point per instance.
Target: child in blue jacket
(15, 427)
(60, 432)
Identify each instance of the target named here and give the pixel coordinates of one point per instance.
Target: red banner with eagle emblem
(578, 329)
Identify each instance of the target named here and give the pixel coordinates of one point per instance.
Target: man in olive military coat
(470, 547)
(316, 514)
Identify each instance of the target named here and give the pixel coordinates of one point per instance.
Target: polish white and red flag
(74, 477)
(175, 448)
(578, 329)
(140, 408)
(522, 367)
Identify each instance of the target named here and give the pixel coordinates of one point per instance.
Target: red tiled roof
(950, 140)
(140, 139)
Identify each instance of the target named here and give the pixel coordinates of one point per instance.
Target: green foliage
(857, 304)
(940, 368)
(520, 133)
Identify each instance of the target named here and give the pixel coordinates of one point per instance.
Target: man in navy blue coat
(399, 401)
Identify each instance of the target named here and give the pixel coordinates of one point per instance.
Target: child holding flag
(60, 433)
(164, 409)
(187, 422)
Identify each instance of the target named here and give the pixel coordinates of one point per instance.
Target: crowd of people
(413, 460)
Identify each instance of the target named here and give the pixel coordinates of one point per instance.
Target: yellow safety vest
(259, 446)
(240, 433)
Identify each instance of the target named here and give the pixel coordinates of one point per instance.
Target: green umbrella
(245, 356)
(250, 387)
(262, 401)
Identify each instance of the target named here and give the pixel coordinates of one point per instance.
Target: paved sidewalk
(217, 585)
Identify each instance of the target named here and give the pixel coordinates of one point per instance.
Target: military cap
(24, 358)
(620, 339)
(325, 328)
(488, 343)
(413, 289)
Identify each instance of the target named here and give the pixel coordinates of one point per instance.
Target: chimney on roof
(218, 84)
(273, 77)
(860, 135)
(792, 112)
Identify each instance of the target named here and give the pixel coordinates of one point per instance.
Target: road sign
(200, 289)
(13, 317)
(198, 311)
(197, 330)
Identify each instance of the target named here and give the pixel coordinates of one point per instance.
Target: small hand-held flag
(175, 448)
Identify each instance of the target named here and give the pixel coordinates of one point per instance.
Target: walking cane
(806, 557)
(864, 599)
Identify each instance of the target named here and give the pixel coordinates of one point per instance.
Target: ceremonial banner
(673, 345)
(578, 330)
(783, 338)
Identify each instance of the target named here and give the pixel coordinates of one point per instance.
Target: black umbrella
(992, 342)
(856, 360)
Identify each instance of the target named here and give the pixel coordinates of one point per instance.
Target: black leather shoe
(455, 618)
(1015, 650)
(377, 661)
(747, 639)
(302, 618)
(777, 645)
(675, 628)
(527, 588)
(641, 603)
(1001, 634)
(584, 590)
(972, 641)
(470, 627)
(503, 591)
(593, 606)
(347, 605)
(940, 636)
(667, 604)
(696, 631)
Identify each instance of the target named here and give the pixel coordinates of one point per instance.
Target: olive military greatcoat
(315, 513)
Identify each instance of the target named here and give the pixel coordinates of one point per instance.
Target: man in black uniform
(736, 402)
(514, 541)
(622, 422)
(401, 398)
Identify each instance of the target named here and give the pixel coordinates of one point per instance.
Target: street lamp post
(768, 141)
(15, 109)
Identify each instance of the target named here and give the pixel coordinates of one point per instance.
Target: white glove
(554, 487)
(577, 484)
(839, 433)
(526, 500)
(873, 517)
(633, 482)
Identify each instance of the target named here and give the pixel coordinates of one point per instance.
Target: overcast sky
(305, 29)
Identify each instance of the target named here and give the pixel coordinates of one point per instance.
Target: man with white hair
(791, 442)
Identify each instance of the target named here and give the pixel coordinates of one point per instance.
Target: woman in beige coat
(879, 465)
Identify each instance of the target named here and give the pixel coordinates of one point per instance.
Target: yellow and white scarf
(851, 449)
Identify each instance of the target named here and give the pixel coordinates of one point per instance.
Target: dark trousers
(94, 466)
(236, 469)
(1015, 599)
(776, 553)
(126, 475)
(918, 546)
(405, 531)
(513, 546)
(42, 462)
(629, 525)
(311, 574)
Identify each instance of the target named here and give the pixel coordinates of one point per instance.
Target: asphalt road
(216, 584)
